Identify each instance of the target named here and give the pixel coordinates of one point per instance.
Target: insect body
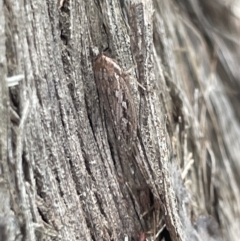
(115, 96)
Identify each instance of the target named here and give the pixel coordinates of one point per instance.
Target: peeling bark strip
(142, 46)
(115, 96)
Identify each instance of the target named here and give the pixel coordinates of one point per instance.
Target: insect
(114, 94)
(142, 237)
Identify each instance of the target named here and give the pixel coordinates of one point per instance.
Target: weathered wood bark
(64, 174)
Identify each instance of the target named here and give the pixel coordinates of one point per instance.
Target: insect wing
(115, 95)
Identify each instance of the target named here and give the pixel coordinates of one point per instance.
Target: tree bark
(68, 170)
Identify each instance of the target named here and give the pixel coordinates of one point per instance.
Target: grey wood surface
(65, 174)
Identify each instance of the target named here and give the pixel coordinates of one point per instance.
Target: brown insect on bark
(114, 93)
(142, 237)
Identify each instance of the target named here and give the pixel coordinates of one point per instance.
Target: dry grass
(201, 60)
